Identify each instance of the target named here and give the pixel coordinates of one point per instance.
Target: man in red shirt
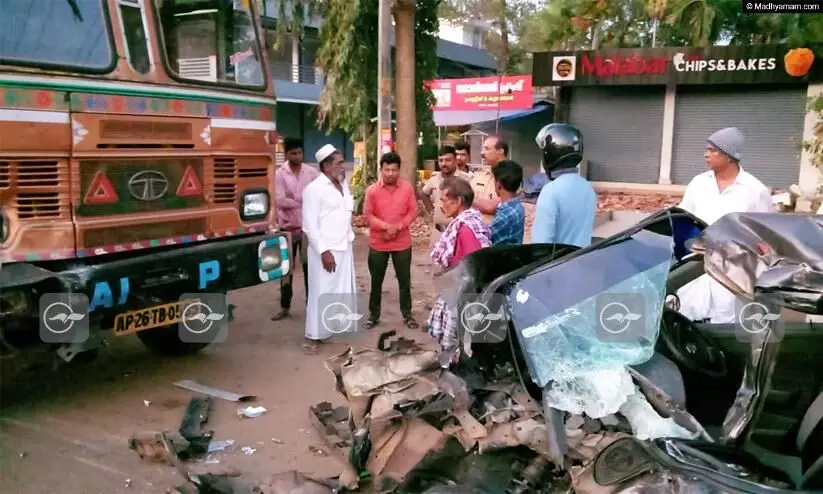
(390, 207)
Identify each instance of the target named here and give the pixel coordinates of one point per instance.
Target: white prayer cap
(324, 152)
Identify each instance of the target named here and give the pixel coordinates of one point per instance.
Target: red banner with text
(512, 92)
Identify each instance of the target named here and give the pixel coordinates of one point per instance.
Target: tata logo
(148, 185)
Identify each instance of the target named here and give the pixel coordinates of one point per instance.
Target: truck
(137, 161)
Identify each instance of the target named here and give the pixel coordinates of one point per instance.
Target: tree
(708, 21)
(588, 24)
(348, 57)
(505, 17)
(404, 86)
(814, 146)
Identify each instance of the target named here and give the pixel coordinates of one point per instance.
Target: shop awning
(448, 118)
(525, 113)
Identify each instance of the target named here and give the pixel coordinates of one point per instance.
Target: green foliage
(292, 16)
(628, 23)
(496, 14)
(348, 57)
(815, 145)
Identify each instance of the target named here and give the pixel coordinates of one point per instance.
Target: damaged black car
(580, 373)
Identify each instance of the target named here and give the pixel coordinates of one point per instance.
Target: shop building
(645, 114)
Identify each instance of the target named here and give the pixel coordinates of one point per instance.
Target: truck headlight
(255, 205)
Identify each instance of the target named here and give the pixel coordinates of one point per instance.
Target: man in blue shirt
(567, 204)
(509, 219)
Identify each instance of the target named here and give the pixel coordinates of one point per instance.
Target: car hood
(771, 255)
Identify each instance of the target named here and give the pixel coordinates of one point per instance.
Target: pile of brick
(621, 201)
(795, 200)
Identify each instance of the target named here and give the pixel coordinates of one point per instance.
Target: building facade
(468, 33)
(646, 113)
(298, 83)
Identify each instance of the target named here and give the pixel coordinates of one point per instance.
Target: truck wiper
(75, 9)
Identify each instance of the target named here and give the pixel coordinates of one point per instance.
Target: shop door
(622, 131)
(770, 119)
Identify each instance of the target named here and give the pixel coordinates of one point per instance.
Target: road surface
(67, 431)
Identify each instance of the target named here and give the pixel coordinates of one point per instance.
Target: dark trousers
(378, 263)
(298, 249)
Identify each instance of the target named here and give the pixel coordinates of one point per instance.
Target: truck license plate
(150, 317)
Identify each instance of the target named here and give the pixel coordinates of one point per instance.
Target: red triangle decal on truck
(100, 191)
(189, 184)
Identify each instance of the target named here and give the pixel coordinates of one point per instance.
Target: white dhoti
(336, 284)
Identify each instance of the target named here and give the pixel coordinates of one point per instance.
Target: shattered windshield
(605, 318)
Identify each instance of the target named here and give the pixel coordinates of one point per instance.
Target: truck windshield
(57, 33)
(211, 40)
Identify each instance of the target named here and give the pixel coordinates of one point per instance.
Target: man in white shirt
(725, 188)
(327, 215)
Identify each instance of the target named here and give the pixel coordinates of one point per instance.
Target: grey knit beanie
(729, 140)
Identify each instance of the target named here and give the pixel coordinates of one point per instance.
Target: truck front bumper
(127, 281)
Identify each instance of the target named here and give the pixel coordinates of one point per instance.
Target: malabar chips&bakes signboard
(752, 64)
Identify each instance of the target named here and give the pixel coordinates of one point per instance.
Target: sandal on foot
(370, 324)
(310, 347)
(284, 313)
(411, 323)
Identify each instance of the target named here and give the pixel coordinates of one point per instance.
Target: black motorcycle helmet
(562, 146)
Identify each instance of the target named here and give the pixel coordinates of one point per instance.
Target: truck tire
(164, 341)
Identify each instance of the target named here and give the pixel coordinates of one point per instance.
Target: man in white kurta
(327, 215)
(725, 188)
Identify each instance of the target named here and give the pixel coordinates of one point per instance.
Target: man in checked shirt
(509, 220)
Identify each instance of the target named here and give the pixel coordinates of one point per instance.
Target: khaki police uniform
(482, 183)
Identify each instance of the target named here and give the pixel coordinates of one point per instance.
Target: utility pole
(384, 79)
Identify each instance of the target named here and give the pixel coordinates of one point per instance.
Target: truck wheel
(164, 341)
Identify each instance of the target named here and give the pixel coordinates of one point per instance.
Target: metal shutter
(771, 120)
(622, 131)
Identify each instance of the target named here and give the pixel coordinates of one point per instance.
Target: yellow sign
(151, 317)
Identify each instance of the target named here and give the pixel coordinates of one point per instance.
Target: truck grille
(225, 177)
(37, 174)
(38, 205)
(39, 191)
(5, 174)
